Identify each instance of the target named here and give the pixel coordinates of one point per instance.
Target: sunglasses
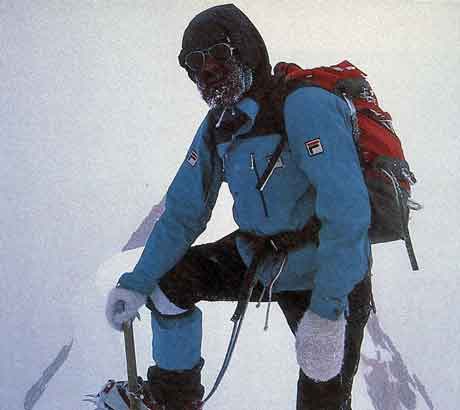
(221, 52)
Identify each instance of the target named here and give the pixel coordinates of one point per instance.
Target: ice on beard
(235, 85)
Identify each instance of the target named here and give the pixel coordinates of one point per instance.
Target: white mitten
(320, 345)
(122, 305)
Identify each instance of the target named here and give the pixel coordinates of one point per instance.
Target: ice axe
(134, 401)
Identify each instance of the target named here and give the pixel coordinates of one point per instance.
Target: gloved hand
(122, 305)
(320, 345)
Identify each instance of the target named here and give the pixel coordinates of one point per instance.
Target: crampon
(115, 395)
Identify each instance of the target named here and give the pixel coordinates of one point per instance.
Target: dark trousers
(215, 271)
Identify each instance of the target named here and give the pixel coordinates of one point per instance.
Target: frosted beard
(236, 81)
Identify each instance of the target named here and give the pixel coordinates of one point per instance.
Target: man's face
(220, 78)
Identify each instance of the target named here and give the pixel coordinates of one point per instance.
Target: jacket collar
(250, 108)
(236, 120)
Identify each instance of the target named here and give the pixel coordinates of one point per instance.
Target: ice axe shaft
(131, 364)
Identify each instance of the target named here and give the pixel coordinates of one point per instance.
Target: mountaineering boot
(335, 394)
(176, 390)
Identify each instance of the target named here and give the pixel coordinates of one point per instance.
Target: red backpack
(386, 172)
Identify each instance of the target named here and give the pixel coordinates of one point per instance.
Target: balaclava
(245, 73)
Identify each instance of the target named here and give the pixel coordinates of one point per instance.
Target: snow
(95, 117)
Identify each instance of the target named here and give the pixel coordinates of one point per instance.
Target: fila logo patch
(192, 158)
(314, 147)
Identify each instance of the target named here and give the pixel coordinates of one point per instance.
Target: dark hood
(227, 23)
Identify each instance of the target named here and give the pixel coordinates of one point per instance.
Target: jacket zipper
(262, 197)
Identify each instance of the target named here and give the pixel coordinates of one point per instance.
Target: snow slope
(384, 381)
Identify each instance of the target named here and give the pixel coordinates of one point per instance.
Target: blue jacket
(318, 173)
